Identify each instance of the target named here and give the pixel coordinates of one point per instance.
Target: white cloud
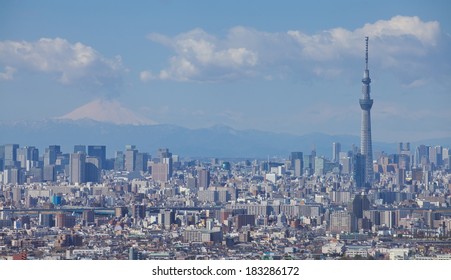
(425, 32)
(398, 36)
(72, 63)
(200, 56)
(245, 52)
(8, 74)
(146, 76)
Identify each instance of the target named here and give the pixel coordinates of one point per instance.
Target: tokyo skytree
(366, 146)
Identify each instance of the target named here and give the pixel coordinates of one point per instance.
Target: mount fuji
(107, 111)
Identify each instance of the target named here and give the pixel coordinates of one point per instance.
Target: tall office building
(77, 168)
(119, 160)
(51, 154)
(28, 157)
(294, 156)
(92, 169)
(138, 211)
(435, 156)
(366, 147)
(320, 163)
(203, 179)
(130, 157)
(11, 175)
(422, 155)
(100, 153)
(360, 204)
(160, 171)
(297, 160)
(141, 161)
(298, 167)
(165, 157)
(22, 157)
(308, 164)
(163, 153)
(358, 170)
(336, 149)
(166, 217)
(49, 173)
(10, 155)
(346, 165)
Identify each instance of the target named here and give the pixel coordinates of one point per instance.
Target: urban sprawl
(83, 205)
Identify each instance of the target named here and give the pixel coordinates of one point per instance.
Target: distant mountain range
(217, 141)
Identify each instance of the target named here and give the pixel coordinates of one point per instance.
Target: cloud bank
(246, 52)
(73, 64)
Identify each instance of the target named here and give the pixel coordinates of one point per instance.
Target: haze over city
(289, 67)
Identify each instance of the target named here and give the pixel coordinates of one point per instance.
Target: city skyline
(66, 206)
(184, 64)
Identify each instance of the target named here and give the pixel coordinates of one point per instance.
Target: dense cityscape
(83, 205)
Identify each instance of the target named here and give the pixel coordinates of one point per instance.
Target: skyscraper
(160, 171)
(297, 160)
(28, 157)
(51, 154)
(141, 161)
(119, 160)
(165, 157)
(360, 204)
(204, 179)
(92, 169)
(366, 147)
(10, 154)
(358, 170)
(99, 152)
(336, 149)
(130, 157)
(77, 168)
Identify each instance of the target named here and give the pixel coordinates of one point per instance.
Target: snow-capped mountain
(109, 111)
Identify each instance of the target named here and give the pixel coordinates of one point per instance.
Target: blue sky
(283, 66)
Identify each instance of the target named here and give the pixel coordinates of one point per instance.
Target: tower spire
(366, 53)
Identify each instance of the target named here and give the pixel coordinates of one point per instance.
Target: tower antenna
(366, 53)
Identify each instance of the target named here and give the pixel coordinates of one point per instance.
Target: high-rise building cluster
(73, 205)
